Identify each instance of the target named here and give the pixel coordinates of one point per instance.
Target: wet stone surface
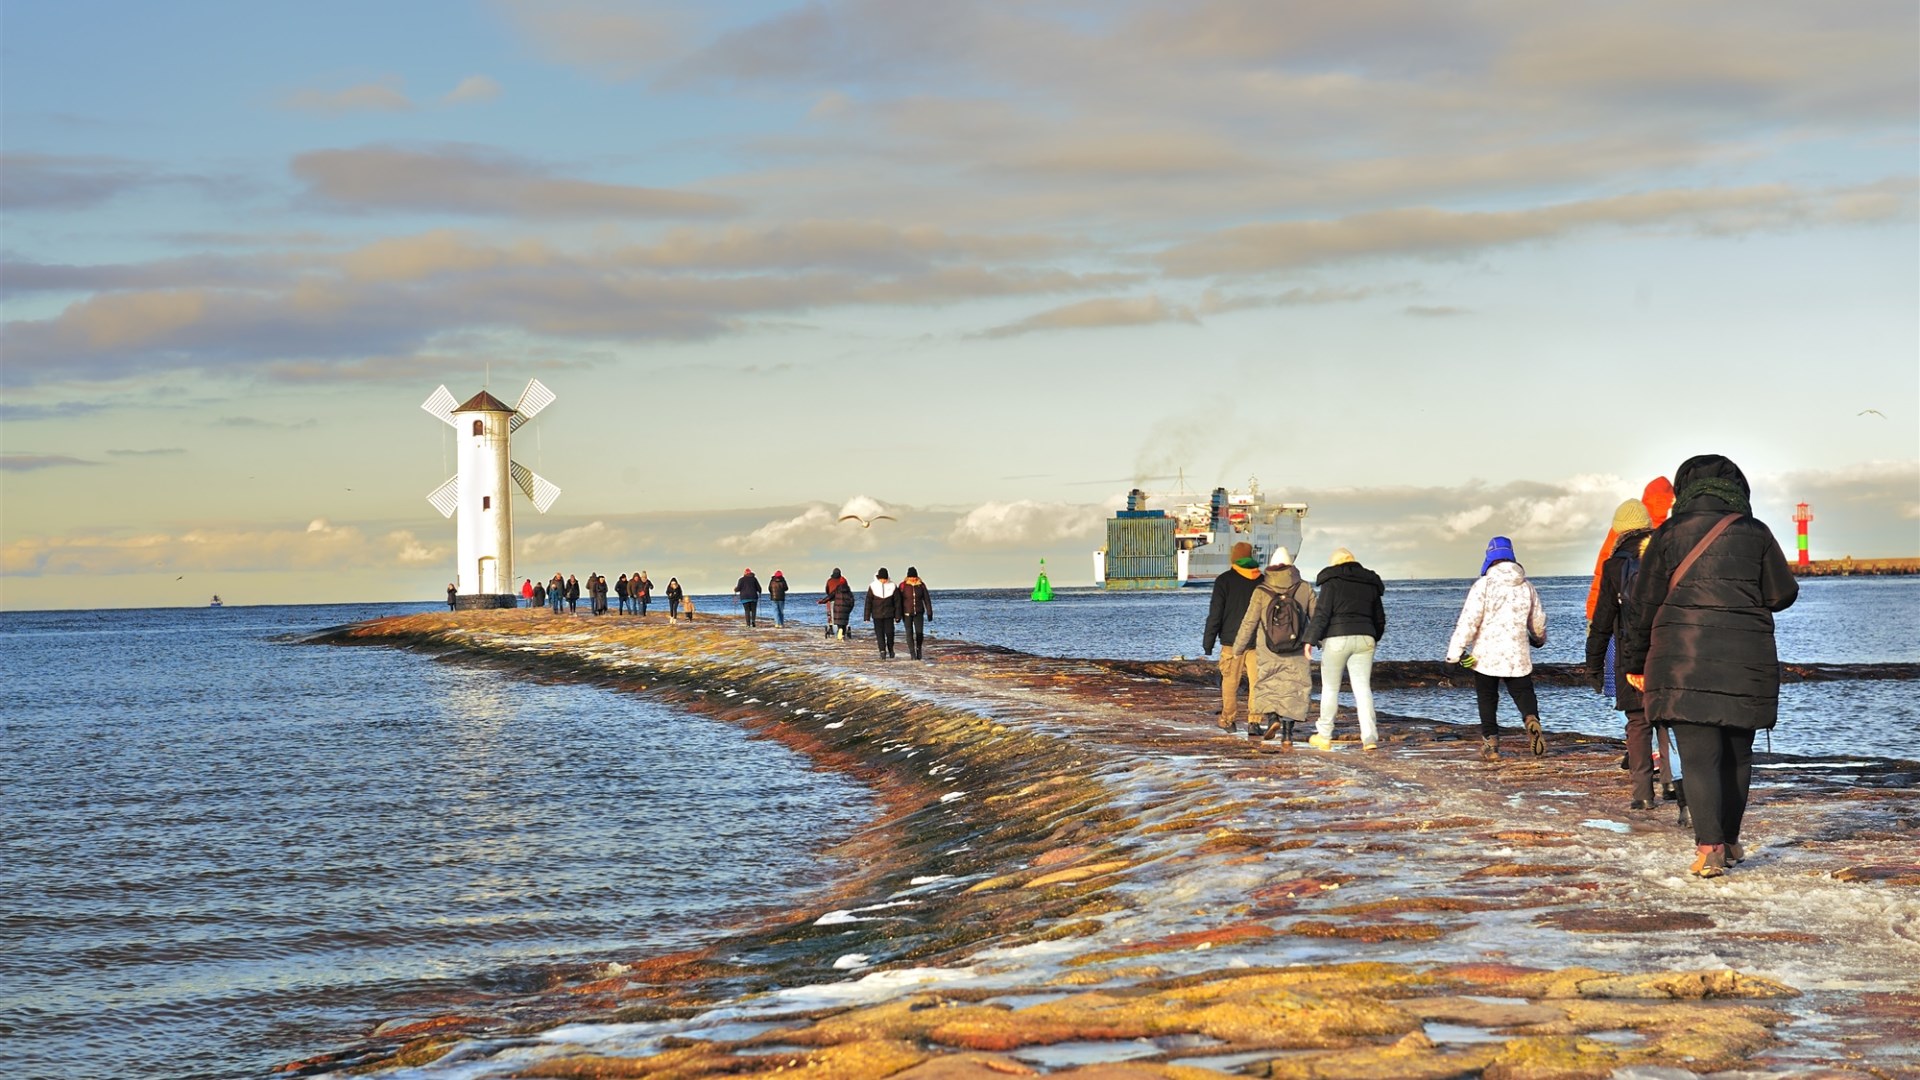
(1078, 873)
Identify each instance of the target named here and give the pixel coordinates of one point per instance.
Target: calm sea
(225, 850)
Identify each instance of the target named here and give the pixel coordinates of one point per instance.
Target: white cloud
(319, 545)
(387, 95)
(593, 538)
(471, 89)
(1025, 523)
(811, 524)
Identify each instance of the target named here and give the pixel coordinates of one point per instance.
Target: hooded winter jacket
(777, 587)
(747, 589)
(1501, 611)
(914, 598)
(1282, 682)
(1347, 604)
(841, 603)
(1705, 646)
(1657, 497)
(883, 601)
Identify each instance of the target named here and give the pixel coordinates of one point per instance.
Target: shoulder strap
(1699, 549)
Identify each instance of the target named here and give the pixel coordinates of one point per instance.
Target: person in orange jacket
(1658, 499)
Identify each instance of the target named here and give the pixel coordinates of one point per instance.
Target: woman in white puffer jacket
(1500, 625)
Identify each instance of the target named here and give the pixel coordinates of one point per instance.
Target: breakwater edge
(1074, 868)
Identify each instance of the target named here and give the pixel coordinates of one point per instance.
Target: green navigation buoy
(1042, 588)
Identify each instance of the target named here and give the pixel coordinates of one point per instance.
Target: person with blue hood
(1697, 642)
(1500, 625)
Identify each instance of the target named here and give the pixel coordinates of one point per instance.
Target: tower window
(486, 502)
(479, 427)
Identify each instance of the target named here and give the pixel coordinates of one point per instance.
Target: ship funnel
(1220, 522)
(1136, 499)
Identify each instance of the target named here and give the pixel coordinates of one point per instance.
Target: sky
(1439, 270)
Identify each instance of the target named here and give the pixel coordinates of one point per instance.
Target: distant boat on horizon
(215, 602)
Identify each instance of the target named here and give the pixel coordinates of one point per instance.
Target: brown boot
(1536, 739)
(1489, 748)
(1710, 861)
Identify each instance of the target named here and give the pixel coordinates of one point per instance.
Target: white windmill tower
(477, 491)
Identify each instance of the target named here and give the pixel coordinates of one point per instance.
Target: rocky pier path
(1077, 873)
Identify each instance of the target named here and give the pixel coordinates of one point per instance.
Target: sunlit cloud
(1026, 523)
(473, 88)
(317, 545)
(1098, 313)
(463, 179)
(15, 461)
(386, 95)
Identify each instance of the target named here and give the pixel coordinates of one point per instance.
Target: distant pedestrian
(1633, 529)
(747, 590)
(674, 595)
(1283, 688)
(1697, 641)
(452, 595)
(526, 590)
(777, 592)
(642, 589)
(539, 595)
(1348, 622)
(573, 594)
(840, 608)
(1232, 591)
(556, 592)
(916, 610)
(599, 593)
(882, 610)
(834, 581)
(620, 590)
(1500, 625)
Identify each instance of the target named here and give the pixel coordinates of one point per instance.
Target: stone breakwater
(1077, 873)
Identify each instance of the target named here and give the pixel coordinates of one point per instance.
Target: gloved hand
(1468, 661)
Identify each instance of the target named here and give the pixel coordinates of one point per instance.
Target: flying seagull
(1875, 412)
(866, 523)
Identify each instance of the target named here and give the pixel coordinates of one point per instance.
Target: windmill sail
(446, 497)
(538, 488)
(533, 399)
(441, 406)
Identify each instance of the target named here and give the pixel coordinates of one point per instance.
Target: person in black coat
(882, 610)
(840, 607)
(1634, 530)
(748, 590)
(1348, 622)
(1232, 592)
(916, 608)
(1700, 647)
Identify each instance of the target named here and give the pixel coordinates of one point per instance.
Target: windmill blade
(441, 406)
(534, 398)
(446, 497)
(538, 488)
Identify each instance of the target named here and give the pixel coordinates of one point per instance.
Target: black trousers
(916, 630)
(1486, 688)
(1640, 754)
(1719, 764)
(752, 608)
(883, 634)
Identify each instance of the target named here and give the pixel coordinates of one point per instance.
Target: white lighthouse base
(484, 601)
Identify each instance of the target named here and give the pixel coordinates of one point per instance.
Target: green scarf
(1725, 490)
(1249, 562)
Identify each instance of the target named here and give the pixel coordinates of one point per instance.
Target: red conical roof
(483, 402)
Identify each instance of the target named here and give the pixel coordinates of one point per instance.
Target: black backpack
(1284, 624)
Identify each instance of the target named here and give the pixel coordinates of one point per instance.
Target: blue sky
(1440, 271)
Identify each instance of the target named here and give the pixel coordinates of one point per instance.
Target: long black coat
(1347, 603)
(1707, 649)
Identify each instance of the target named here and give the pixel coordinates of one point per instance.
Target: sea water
(225, 850)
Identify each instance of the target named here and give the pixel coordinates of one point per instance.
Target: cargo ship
(1189, 545)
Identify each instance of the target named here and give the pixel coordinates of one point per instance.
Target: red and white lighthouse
(1801, 515)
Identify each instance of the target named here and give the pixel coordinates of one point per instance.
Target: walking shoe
(1226, 723)
(1254, 728)
(1736, 853)
(1489, 748)
(1536, 739)
(1319, 742)
(1369, 746)
(1709, 861)
(1640, 804)
(1286, 734)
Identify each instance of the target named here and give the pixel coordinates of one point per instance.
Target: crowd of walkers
(1680, 636)
(896, 609)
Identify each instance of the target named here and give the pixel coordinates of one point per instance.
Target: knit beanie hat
(882, 575)
(1499, 549)
(1241, 550)
(913, 571)
(1341, 555)
(1658, 499)
(1281, 557)
(1631, 515)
